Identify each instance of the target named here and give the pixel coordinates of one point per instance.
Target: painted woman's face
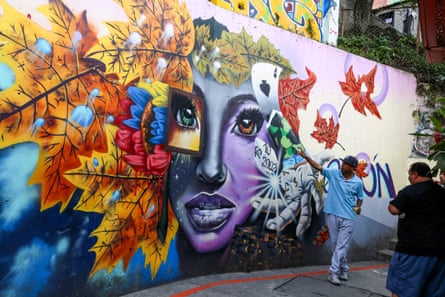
(211, 193)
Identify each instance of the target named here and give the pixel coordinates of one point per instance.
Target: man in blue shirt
(342, 204)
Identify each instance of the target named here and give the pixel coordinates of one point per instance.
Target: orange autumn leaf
(325, 132)
(130, 223)
(55, 92)
(131, 205)
(360, 90)
(65, 102)
(154, 44)
(293, 95)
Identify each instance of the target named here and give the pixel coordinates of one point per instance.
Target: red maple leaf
(360, 90)
(360, 171)
(325, 132)
(293, 95)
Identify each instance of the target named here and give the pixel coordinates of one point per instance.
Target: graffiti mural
(314, 19)
(166, 145)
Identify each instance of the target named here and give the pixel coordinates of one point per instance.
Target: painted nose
(211, 171)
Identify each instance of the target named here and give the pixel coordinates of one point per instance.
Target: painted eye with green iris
(184, 122)
(248, 122)
(185, 113)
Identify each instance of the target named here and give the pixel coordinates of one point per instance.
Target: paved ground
(366, 279)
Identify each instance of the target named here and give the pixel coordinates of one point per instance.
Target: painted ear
(265, 78)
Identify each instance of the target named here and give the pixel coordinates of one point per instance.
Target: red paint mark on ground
(265, 278)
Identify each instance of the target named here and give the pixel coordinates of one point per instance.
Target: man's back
(421, 229)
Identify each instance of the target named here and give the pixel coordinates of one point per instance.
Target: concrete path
(366, 279)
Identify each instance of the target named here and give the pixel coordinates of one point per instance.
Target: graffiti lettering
(267, 149)
(380, 175)
(258, 152)
(297, 16)
(269, 164)
(378, 181)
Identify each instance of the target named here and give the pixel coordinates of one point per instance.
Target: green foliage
(437, 151)
(403, 52)
(398, 51)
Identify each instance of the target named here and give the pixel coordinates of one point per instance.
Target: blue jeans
(413, 276)
(340, 235)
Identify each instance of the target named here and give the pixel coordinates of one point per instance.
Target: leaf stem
(342, 107)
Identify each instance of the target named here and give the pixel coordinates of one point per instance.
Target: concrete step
(384, 255)
(392, 243)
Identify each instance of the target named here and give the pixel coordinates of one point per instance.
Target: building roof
(376, 4)
(432, 25)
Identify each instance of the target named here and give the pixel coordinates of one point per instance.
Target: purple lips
(209, 212)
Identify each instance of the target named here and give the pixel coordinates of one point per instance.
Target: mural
(166, 145)
(313, 19)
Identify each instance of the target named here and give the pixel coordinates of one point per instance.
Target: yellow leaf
(154, 44)
(156, 252)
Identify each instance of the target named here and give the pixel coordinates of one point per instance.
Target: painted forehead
(218, 96)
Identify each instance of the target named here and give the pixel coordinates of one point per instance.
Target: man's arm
(358, 206)
(310, 161)
(393, 210)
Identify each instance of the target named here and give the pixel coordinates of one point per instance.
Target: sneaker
(344, 276)
(333, 278)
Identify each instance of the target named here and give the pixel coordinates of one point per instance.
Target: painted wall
(313, 19)
(144, 144)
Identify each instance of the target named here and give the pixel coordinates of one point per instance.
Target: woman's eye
(248, 122)
(186, 117)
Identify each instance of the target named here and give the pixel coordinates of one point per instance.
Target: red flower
(131, 141)
(360, 91)
(322, 235)
(158, 161)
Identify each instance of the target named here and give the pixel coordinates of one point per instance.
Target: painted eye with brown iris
(248, 122)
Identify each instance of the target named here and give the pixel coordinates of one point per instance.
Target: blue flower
(7, 77)
(43, 46)
(158, 125)
(140, 97)
(115, 196)
(83, 115)
(38, 123)
(93, 94)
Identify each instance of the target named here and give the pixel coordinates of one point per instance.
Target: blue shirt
(342, 193)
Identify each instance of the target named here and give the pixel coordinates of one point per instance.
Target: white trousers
(340, 235)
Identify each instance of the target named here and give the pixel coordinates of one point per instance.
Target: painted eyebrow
(238, 100)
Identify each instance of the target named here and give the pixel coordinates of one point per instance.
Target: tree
(362, 15)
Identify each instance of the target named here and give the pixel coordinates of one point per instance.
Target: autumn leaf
(131, 205)
(59, 99)
(293, 95)
(131, 223)
(325, 132)
(155, 251)
(229, 58)
(360, 90)
(361, 169)
(103, 177)
(154, 44)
